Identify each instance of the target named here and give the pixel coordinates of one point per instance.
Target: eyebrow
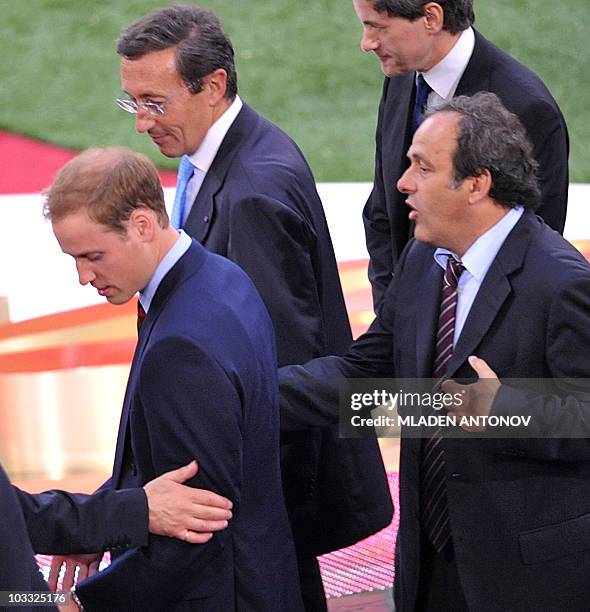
(86, 254)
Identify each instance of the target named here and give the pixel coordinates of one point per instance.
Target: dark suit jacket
(519, 508)
(64, 523)
(18, 569)
(203, 384)
(387, 227)
(258, 206)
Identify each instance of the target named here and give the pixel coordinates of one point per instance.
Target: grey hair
(494, 139)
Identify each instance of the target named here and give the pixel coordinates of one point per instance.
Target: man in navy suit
(246, 192)
(434, 41)
(515, 511)
(202, 384)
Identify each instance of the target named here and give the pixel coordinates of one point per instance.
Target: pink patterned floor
(366, 566)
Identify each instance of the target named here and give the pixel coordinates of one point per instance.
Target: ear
(216, 86)
(434, 17)
(480, 187)
(142, 223)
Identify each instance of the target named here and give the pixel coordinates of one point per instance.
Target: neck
(445, 41)
(221, 108)
(494, 213)
(167, 239)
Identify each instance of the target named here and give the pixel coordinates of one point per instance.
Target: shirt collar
(479, 256)
(179, 248)
(445, 76)
(203, 157)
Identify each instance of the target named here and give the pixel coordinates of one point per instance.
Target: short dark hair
(492, 138)
(109, 184)
(201, 44)
(459, 14)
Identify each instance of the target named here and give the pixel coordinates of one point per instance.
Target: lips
(413, 212)
(103, 291)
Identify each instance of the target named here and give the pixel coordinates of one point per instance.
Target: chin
(118, 300)
(167, 152)
(421, 236)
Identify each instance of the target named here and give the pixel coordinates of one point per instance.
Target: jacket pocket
(555, 541)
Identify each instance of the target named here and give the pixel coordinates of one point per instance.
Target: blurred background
(63, 361)
(299, 63)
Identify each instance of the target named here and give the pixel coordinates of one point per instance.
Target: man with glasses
(246, 192)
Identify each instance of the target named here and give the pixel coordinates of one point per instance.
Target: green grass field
(298, 61)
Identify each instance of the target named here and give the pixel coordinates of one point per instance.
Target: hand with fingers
(86, 565)
(478, 397)
(182, 512)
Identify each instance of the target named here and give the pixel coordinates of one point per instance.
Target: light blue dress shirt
(477, 260)
(179, 248)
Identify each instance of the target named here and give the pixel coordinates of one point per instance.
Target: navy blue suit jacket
(203, 384)
(387, 227)
(57, 522)
(259, 207)
(519, 508)
(62, 523)
(18, 569)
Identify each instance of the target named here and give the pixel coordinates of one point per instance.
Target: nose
(143, 121)
(85, 273)
(369, 41)
(405, 183)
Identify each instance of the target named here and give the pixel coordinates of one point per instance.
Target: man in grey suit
(429, 52)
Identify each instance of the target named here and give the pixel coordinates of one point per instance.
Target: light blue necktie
(185, 173)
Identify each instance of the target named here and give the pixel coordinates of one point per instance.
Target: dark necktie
(140, 316)
(423, 89)
(435, 514)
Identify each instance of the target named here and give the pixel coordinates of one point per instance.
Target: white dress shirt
(445, 76)
(203, 157)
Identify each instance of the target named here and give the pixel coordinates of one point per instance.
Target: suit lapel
(203, 212)
(477, 73)
(187, 265)
(494, 291)
(201, 215)
(428, 299)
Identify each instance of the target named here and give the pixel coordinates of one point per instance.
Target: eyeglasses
(157, 109)
(154, 109)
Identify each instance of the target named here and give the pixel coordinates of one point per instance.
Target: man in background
(245, 191)
(202, 384)
(429, 52)
(486, 289)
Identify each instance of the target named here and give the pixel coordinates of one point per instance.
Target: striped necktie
(435, 513)
(185, 173)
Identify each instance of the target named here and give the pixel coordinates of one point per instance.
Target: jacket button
(206, 219)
